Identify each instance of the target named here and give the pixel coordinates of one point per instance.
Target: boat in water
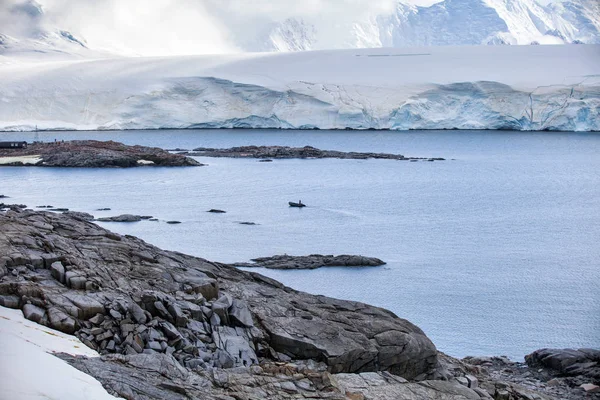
(299, 204)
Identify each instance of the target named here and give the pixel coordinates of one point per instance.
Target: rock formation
(312, 261)
(172, 326)
(93, 153)
(266, 153)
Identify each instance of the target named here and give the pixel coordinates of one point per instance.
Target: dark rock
(137, 313)
(267, 153)
(61, 321)
(34, 313)
(9, 301)
(251, 315)
(102, 154)
(568, 362)
(312, 261)
(58, 271)
(240, 314)
(173, 222)
(80, 215)
(122, 218)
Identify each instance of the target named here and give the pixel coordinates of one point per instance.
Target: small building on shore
(13, 145)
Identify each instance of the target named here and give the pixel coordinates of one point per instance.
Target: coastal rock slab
(312, 261)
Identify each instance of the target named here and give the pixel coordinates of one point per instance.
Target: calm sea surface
(494, 252)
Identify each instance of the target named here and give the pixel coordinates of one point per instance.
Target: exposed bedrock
(282, 152)
(312, 261)
(98, 154)
(172, 326)
(121, 295)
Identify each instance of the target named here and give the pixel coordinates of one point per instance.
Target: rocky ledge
(312, 261)
(92, 153)
(172, 326)
(268, 152)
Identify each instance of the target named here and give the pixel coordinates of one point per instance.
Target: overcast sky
(166, 27)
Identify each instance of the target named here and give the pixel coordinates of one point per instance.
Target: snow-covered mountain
(449, 22)
(458, 22)
(30, 36)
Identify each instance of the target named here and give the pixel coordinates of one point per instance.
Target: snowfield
(29, 372)
(450, 87)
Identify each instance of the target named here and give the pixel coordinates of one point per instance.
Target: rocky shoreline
(312, 261)
(172, 326)
(265, 153)
(92, 154)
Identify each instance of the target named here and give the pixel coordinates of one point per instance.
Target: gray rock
(61, 321)
(33, 313)
(312, 261)
(137, 313)
(9, 301)
(122, 218)
(82, 216)
(240, 314)
(178, 316)
(58, 271)
(221, 307)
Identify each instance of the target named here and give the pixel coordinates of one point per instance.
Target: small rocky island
(312, 261)
(91, 154)
(172, 326)
(279, 152)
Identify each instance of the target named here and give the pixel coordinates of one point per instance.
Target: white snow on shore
(454, 87)
(23, 159)
(29, 372)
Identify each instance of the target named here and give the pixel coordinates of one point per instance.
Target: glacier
(449, 87)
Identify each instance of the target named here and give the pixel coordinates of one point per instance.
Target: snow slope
(30, 372)
(449, 22)
(456, 22)
(476, 87)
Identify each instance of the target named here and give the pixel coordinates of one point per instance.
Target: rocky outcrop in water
(98, 154)
(312, 261)
(172, 326)
(270, 152)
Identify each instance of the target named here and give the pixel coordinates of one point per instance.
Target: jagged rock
(61, 321)
(240, 314)
(87, 306)
(144, 303)
(221, 306)
(568, 362)
(137, 313)
(177, 314)
(58, 271)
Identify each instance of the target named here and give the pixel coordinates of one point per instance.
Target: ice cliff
(486, 87)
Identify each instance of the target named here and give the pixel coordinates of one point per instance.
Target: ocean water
(494, 251)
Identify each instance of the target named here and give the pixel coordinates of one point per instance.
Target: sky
(170, 27)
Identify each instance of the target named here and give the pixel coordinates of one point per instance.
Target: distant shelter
(13, 145)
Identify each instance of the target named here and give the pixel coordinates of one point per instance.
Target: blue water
(494, 252)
